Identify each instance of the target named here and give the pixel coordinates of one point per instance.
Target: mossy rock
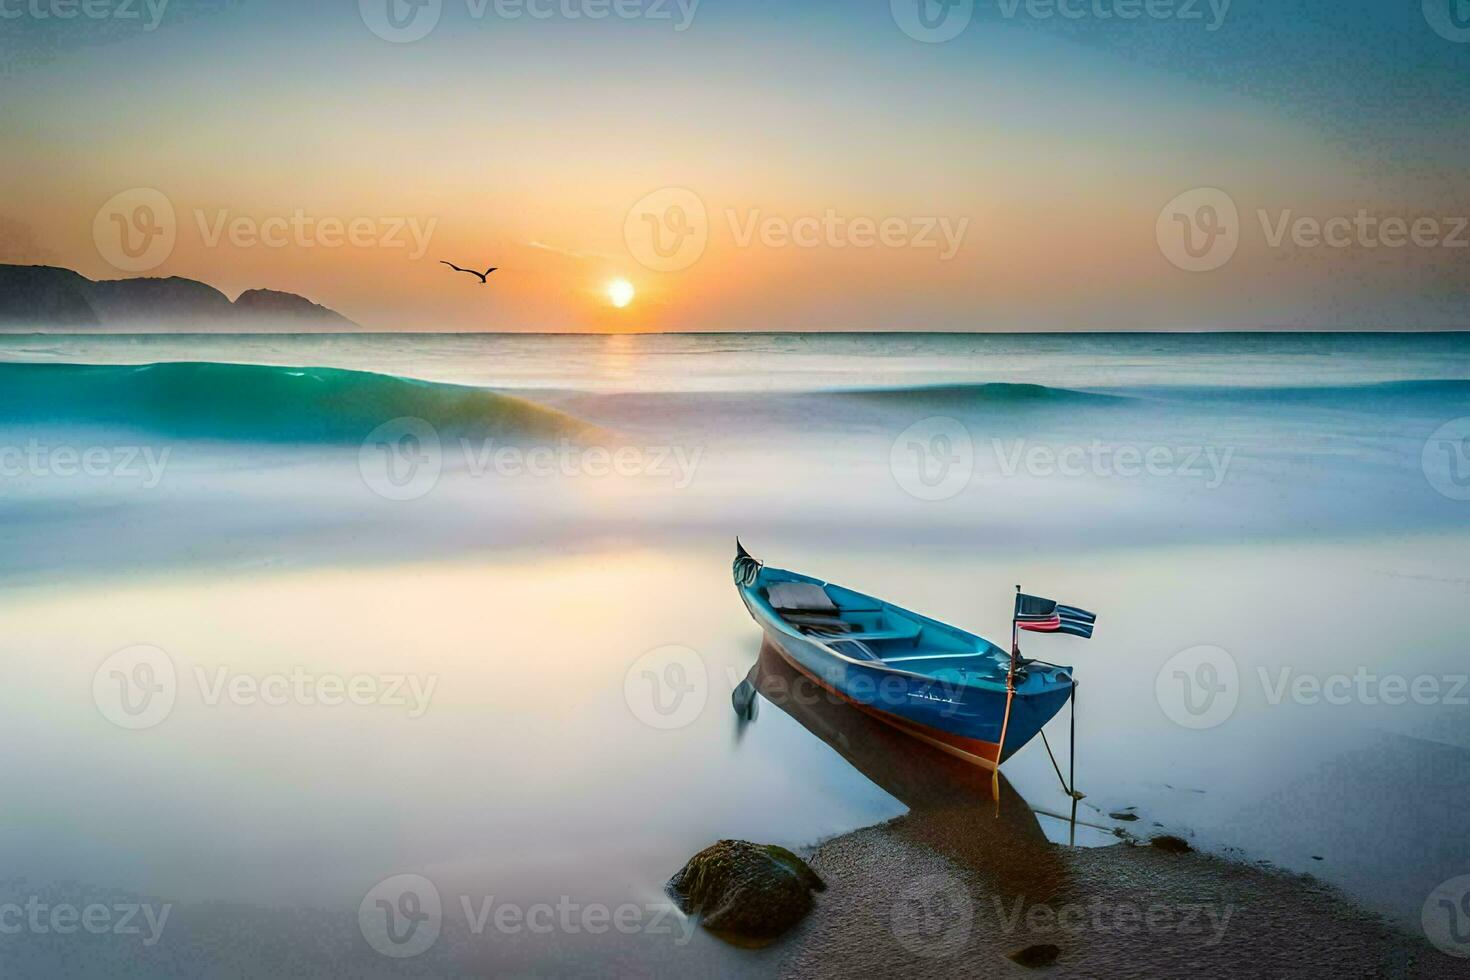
(745, 891)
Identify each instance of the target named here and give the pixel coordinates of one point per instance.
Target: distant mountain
(45, 297)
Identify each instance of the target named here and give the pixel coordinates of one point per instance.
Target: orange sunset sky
(1047, 150)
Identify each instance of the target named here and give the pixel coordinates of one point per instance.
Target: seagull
(484, 276)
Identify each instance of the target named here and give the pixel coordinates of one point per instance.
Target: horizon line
(1229, 331)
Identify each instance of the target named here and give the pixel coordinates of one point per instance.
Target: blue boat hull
(961, 712)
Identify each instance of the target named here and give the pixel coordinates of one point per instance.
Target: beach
(367, 675)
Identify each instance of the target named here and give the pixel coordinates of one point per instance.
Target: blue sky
(1055, 139)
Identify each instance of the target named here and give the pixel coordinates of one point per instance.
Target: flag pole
(1010, 694)
(1072, 766)
(1072, 750)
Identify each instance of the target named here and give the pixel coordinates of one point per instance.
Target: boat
(955, 690)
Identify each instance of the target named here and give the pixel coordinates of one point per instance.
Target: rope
(1071, 755)
(1054, 763)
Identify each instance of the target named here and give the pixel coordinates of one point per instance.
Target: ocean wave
(994, 393)
(1007, 394)
(266, 403)
(1363, 394)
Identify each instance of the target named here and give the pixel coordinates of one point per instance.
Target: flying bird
(484, 276)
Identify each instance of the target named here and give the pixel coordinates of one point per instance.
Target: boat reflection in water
(950, 803)
(915, 773)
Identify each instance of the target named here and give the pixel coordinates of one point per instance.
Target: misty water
(1272, 529)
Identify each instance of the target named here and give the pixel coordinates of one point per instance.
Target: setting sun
(621, 292)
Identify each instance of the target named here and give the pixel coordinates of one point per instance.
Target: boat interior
(863, 628)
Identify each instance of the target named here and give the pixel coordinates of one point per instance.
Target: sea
(293, 620)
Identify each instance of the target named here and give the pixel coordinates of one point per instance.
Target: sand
(960, 882)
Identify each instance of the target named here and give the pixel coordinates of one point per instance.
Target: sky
(754, 165)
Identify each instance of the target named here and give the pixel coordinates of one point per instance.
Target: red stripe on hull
(972, 750)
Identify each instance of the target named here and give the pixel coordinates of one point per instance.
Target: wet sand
(960, 882)
(891, 908)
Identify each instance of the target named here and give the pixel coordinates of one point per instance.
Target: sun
(621, 292)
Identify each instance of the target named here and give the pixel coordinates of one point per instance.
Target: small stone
(1042, 954)
(1172, 844)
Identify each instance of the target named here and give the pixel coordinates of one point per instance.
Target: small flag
(1047, 616)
